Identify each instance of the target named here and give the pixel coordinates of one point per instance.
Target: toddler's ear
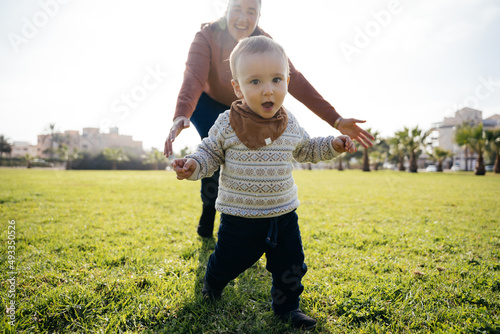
(237, 90)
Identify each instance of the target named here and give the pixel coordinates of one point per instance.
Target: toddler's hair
(253, 45)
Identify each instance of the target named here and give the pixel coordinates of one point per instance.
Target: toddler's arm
(343, 144)
(184, 168)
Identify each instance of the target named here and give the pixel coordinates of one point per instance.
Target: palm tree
(5, 147)
(29, 160)
(114, 155)
(366, 161)
(414, 142)
(66, 155)
(356, 156)
(493, 138)
(366, 154)
(462, 138)
(154, 158)
(185, 151)
(439, 155)
(380, 153)
(56, 140)
(376, 157)
(52, 129)
(477, 143)
(397, 148)
(340, 167)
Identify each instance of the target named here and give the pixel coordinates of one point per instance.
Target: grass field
(387, 252)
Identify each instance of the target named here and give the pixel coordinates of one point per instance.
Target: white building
(21, 148)
(444, 133)
(91, 140)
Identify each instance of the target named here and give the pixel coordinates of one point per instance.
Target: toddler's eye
(277, 80)
(254, 82)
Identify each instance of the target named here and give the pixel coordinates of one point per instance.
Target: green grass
(102, 251)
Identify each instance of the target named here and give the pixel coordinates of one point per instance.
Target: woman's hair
(229, 4)
(253, 45)
(221, 23)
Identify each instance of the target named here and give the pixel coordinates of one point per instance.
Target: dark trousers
(204, 116)
(241, 243)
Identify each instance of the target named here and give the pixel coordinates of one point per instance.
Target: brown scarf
(255, 131)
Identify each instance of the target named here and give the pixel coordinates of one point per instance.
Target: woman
(207, 91)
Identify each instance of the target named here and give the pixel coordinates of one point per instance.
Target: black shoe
(209, 293)
(299, 319)
(206, 224)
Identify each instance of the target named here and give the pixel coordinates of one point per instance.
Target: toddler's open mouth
(268, 105)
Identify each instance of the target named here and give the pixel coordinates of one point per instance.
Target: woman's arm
(303, 91)
(195, 77)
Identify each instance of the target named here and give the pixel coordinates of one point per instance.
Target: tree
(66, 155)
(52, 129)
(462, 138)
(56, 140)
(185, 151)
(397, 148)
(114, 155)
(493, 141)
(477, 143)
(439, 155)
(380, 151)
(5, 146)
(366, 153)
(414, 142)
(376, 158)
(366, 160)
(356, 156)
(29, 160)
(340, 167)
(154, 158)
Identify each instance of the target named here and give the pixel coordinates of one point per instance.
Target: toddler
(255, 143)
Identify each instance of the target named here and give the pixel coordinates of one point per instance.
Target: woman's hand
(180, 123)
(348, 126)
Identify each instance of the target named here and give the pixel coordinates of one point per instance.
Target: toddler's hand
(184, 168)
(344, 144)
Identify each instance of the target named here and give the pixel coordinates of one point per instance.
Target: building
(94, 142)
(91, 140)
(444, 133)
(492, 122)
(21, 148)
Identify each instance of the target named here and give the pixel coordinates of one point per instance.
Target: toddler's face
(262, 81)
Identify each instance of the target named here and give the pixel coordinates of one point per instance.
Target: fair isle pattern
(258, 183)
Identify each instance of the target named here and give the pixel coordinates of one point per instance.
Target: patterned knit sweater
(257, 183)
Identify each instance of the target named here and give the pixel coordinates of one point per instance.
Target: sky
(120, 63)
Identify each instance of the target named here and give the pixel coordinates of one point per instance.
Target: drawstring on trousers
(272, 233)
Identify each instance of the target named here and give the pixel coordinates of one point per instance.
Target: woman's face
(242, 18)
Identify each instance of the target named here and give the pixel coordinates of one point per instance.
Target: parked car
(387, 165)
(41, 163)
(431, 168)
(455, 168)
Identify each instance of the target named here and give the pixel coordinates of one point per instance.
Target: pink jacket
(207, 70)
